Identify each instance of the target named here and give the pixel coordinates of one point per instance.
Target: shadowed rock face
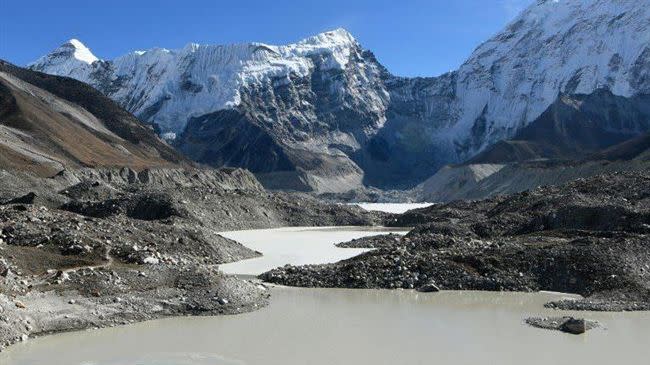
(51, 123)
(578, 136)
(573, 128)
(589, 237)
(633, 149)
(233, 139)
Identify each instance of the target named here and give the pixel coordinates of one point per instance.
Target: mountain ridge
(330, 97)
(574, 127)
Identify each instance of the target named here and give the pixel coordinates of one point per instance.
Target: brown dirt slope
(49, 123)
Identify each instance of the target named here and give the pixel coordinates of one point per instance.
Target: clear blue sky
(410, 37)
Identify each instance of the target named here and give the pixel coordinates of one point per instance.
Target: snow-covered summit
(66, 59)
(552, 47)
(81, 52)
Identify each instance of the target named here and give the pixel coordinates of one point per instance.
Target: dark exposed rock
(575, 326)
(28, 198)
(4, 268)
(428, 288)
(155, 207)
(372, 241)
(89, 190)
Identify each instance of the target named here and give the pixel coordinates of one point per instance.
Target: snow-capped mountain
(568, 46)
(170, 86)
(324, 114)
(72, 59)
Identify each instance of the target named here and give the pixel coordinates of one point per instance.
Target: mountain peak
(338, 36)
(65, 59)
(74, 42)
(78, 51)
(339, 32)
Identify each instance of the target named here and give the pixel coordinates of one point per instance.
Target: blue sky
(410, 37)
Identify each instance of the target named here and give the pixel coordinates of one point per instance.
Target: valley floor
(362, 326)
(92, 248)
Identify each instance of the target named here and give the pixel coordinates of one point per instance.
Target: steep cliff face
(555, 46)
(325, 110)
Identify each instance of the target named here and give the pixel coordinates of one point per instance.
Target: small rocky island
(574, 326)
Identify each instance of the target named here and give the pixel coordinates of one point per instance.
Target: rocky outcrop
(371, 241)
(428, 288)
(574, 326)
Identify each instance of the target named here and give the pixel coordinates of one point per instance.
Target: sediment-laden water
(338, 326)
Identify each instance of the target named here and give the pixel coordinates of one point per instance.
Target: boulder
(28, 198)
(428, 288)
(4, 268)
(575, 326)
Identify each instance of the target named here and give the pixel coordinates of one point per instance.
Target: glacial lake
(342, 326)
(297, 246)
(397, 208)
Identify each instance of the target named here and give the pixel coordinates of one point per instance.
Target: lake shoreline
(84, 302)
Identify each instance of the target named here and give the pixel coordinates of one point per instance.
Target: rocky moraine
(95, 248)
(589, 237)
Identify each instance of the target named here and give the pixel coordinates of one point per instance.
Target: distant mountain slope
(462, 183)
(49, 123)
(634, 149)
(329, 100)
(576, 137)
(482, 180)
(573, 128)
